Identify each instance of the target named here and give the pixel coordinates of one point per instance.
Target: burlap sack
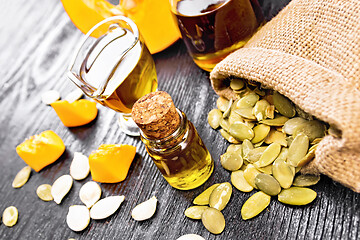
(310, 52)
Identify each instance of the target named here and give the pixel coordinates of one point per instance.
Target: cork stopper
(156, 115)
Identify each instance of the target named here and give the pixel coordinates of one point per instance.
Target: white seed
(78, 217)
(74, 95)
(144, 210)
(61, 187)
(50, 96)
(10, 216)
(90, 193)
(106, 207)
(191, 237)
(79, 168)
(21, 177)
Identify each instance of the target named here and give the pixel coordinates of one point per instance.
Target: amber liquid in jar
(211, 29)
(182, 157)
(128, 77)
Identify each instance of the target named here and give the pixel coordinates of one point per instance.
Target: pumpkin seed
(283, 173)
(144, 210)
(250, 174)
(312, 129)
(237, 84)
(213, 220)
(21, 177)
(195, 212)
(78, 218)
(239, 182)
(270, 111)
(74, 95)
(44, 192)
(10, 216)
(106, 207)
(245, 113)
(241, 132)
(246, 147)
(191, 237)
(231, 161)
(306, 180)
(260, 133)
(283, 105)
(298, 149)
(255, 205)
(235, 148)
(79, 168)
(228, 109)
(220, 196)
(279, 120)
(292, 124)
(267, 169)
(214, 118)
(267, 184)
(228, 137)
(234, 117)
(90, 193)
(297, 196)
(204, 197)
(275, 136)
(222, 104)
(61, 187)
(250, 124)
(224, 124)
(248, 101)
(269, 155)
(255, 154)
(308, 157)
(316, 141)
(283, 153)
(259, 110)
(50, 96)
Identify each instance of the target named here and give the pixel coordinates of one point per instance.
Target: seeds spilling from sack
(272, 140)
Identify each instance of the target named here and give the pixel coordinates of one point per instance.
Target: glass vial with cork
(172, 141)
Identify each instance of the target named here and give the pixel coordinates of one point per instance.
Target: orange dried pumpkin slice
(77, 113)
(41, 150)
(153, 18)
(110, 163)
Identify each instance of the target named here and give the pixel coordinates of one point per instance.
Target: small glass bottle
(172, 141)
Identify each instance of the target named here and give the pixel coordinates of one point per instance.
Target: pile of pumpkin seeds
(271, 140)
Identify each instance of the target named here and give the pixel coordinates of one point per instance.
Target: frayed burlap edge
(321, 92)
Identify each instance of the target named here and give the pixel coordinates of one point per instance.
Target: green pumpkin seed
(306, 180)
(228, 109)
(259, 110)
(222, 104)
(21, 177)
(241, 132)
(237, 84)
(250, 174)
(195, 212)
(235, 148)
(224, 124)
(204, 197)
(313, 129)
(269, 155)
(245, 113)
(283, 153)
(44, 192)
(277, 121)
(220, 196)
(292, 124)
(10, 216)
(260, 133)
(248, 101)
(259, 92)
(255, 205)
(246, 147)
(214, 118)
(267, 184)
(231, 161)
(239, 182)
(234, 117)
(256, 145)
(275, 136)
(308, 157)
(298, 149)
(283, 105)
(255, 154)
(267, 169)
(297, 196)
(213, 220)
(270, 111)
(228, 137)
(250, 124)
(283, 173)
(289, 140)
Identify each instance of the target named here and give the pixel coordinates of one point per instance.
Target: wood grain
(37, 41)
